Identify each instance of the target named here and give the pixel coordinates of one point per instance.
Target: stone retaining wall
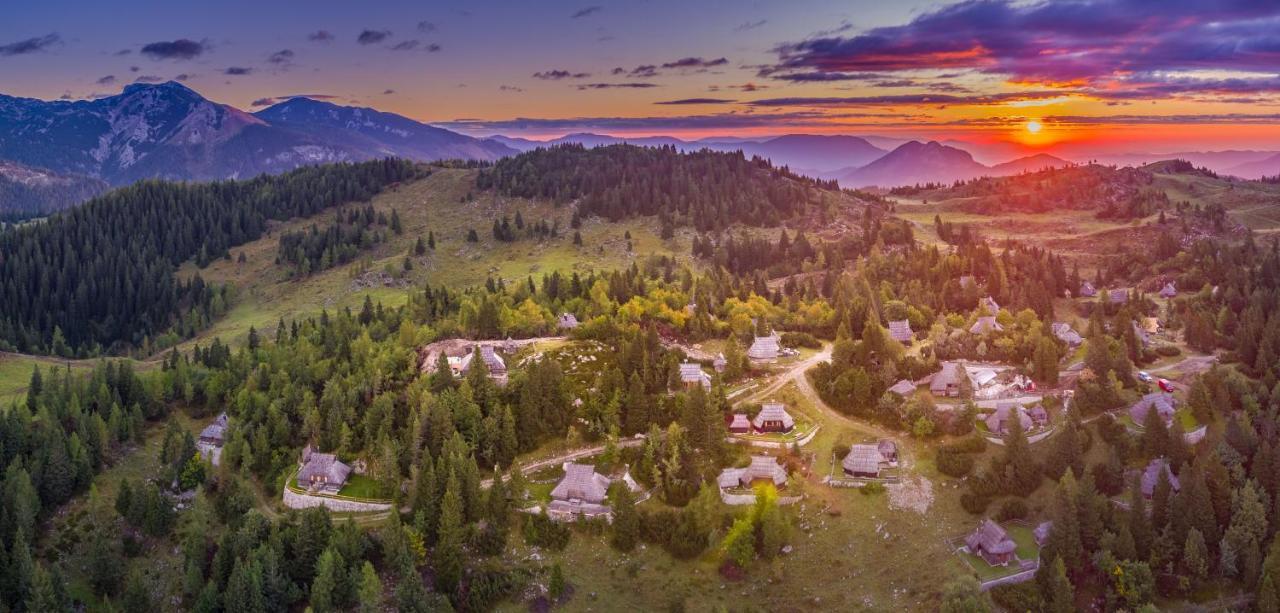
(294, 500)
(777, 445)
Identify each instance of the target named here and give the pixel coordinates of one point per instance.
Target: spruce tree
(448, 552)
(370, 593)
(626, 520)
(1061, 596)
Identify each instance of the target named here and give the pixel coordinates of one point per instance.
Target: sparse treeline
(352, 231)
(706, 189)
(101, 277)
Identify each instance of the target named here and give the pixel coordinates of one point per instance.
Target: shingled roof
(863, 460)
(984, 325)
(773, 411)
(762, 468)
(1066, 334)
(904, 387)
(991, 538)
(1000, 420)
(949, 375)
(900, 330)
(492, 361)
(1087, 290)
(764, 348)
(581, 482)
(215, 432)
(691, 373)
(1118, 296)
(1151, 476)
(1168, 291)
(568, 321)
(322, 469)
(1160, 402)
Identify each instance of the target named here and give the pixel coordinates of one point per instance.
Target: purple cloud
(321, 36)
(107, 80)
(283, 56)
(586, 12)
(373, 37)
(30, 45)
(616, 85)
(695, 62)
(181, 49)
(939, 100)
(1077, 43)
(237, 71)
(695, 101)
(557, 75)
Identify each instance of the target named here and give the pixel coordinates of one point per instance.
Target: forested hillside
(28, 192)
(706, 189)
(101, 277)
(1111, 192)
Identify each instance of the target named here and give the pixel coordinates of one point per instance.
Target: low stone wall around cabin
(777, 445)
(294, 500)
(1031, 440)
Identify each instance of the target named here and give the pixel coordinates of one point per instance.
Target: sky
(1065, 77)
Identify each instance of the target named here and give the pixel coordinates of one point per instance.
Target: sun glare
(1034, 126)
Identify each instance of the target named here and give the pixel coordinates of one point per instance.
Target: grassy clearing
(15, 373)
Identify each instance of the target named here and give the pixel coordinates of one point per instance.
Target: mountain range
(169, 131)
(915, 162)
(57, 153)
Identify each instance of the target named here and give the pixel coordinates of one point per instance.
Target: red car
(1165, 385)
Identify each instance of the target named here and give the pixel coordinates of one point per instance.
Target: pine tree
(1195, 557)
(626, 520)
(34, 388)
(448, 551)
(106, 564)
(325, 588)
(136, 596)
(244, 589)
(370, 595)
(46, 593)
(1061, 596)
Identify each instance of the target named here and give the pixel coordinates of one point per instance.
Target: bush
(872, 488)
(954, 464)
(656, 527)
(1168, 351)
(972, 444)
(975, 504)
(1018, 597)
(800, 339)
(1014, 508)
(540, 531)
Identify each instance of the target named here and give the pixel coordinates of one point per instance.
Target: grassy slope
(15, 373)
(436, 204)
(1079, 233)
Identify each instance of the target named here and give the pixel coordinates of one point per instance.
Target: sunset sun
(1034, 126)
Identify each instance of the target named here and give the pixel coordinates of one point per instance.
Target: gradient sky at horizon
(1100, 75)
